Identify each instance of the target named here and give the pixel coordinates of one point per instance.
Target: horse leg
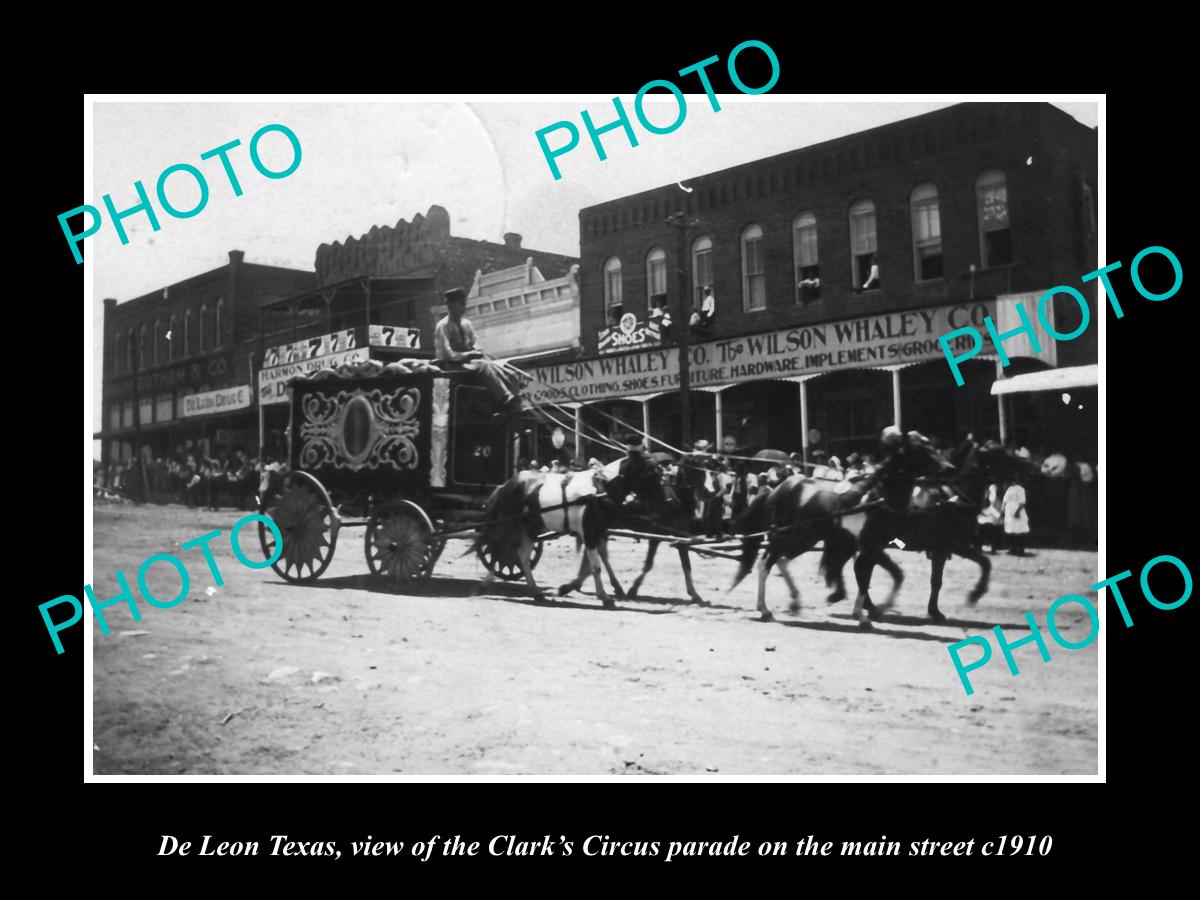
(602, 549)
(647, 565)
(794, 606)
(577, 583)
(524, 555)
(985, 573)
(889, 565)
(764, 568)
(937, 561)
(593, 558)
(862, 575)
(686, 561)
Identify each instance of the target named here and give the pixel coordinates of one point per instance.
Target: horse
(531, 503)
(793, 517)
(933, 507)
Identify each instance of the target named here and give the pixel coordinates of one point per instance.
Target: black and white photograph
(489, 438)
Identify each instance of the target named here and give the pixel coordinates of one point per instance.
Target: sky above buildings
(373, 163)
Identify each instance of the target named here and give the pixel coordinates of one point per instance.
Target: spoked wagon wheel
(302, 510)
(400, 544)
(504, 563)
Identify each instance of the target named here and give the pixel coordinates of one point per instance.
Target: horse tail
(757, 517)
(840, 545)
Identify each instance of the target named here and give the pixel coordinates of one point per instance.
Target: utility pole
(681, 223)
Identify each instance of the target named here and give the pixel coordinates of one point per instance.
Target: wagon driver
(454, 341)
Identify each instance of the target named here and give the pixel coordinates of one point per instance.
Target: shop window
(864, 265)
(804, 251)
(754, 280)
(995, 238)
(927, 233)
(613, 304)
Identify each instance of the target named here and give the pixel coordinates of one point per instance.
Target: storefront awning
(1049, 380)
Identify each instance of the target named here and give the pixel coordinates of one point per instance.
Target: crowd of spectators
(188, 476)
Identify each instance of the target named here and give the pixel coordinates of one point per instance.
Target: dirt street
(346, 677)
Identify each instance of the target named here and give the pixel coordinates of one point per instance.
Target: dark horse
(585, 504)
(678, 511)
(929, 505)
(792, 518)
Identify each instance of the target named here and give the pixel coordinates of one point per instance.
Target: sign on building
(629, 334)
(395, 336)
(309, 348)
(272, 383)
(225, 400)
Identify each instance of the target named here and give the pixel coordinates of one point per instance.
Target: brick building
(834, 269)
(177, 361)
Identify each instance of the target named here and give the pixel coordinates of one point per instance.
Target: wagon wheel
(400, 545)
(308, 524)
(504, 563)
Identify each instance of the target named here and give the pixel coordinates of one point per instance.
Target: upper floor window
(995, 238)
(927, 233)
(129, 350)
(187, 332)
(702, 267)
(203, 316)
(754, 281)
(656, 277)
(217, 325)
(141, 348)
(804, 250)
(864, 264)
(613, 305)
(172, 337)
(159, 352)
(115, 364)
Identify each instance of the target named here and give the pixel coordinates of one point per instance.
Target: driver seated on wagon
(454, 342)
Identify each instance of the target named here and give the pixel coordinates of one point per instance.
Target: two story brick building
(178, 361)
(833, 269)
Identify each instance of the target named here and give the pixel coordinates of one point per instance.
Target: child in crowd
(1016, 518)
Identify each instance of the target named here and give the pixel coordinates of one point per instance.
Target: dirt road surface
(347, 677)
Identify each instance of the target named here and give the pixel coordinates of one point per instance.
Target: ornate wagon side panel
(370, 431)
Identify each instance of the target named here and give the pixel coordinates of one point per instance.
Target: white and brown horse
(584, 504)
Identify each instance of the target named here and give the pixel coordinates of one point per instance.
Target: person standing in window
(872, 278)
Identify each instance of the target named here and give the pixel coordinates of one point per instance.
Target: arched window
(129, 350)
(927, 233)
(754, 281)
(203, 316)
(864, 267)
(141, 347)
(656, 277)
(613, 306)
(804, 251)
(702, 266)
(158, 339)
(187, 332)
(217, 325)
(172, 337)
(991, 199)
